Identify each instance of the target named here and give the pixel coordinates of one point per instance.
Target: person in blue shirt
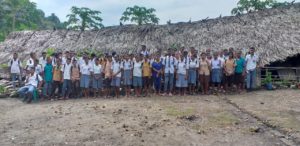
(156, 74)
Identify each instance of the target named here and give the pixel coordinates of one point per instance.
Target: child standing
(204, 73)
(15, 69)
(182, 75)
(137, 76)
(192, 73)
(216, 72)
(97, 77)
(107, 75)
(156, 74)
(85, 70)
(229, 68)
(75, 79)
(66, 90)
(127, 75)
(57, 78)
(116, 70)
(147, 75)
(48, 77)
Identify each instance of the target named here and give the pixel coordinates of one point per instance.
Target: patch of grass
(223, 119)
(173, 111)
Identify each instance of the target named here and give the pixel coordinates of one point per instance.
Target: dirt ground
(262, 118)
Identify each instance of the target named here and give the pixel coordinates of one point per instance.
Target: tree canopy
(246, 6)
(84, 18)
(18, 15)
(140, 15)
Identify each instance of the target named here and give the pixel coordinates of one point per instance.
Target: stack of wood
(6, 88)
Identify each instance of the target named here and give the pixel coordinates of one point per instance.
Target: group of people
(186, 71)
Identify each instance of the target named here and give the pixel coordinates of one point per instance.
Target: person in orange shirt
(146, 75)
(107, 75)
(57, 78)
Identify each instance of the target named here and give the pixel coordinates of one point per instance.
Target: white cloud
(174, 10)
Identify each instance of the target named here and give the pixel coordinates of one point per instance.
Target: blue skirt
(192, 76)
(127, 78)
(181, 82)
(85, 81)
(216, 75)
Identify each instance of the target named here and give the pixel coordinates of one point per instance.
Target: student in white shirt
(216, 65)
(193, 67)
(38, 68)
(85, 70)
(30, 61)
(127, 74)
(43, 59)
(116, 69)
(182, 75)
(252, 61)
(15, 69)
(32, 82)
(137, 75)
(66, 70)
(169, 70)
(144, 52)
(97, 77)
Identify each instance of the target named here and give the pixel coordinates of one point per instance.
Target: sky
(174, 10)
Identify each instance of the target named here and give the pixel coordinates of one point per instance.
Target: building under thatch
(274, 32)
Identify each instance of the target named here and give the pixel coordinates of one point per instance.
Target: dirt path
(191, 120)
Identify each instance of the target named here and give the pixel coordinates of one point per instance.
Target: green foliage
(18, 15)
(246, 6)
(2, 89)
(175, 46)
(140, 15)
(50, 52)
(84, 18)
(268, 78)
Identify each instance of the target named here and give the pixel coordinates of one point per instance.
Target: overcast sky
(174, 10)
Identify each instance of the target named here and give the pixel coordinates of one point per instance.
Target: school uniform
(182, 67)
(66, 89)
(137, 74)
(29, 63)
(216, 65)
(169, 69)
(116, 80)
(43, 61)
(192, 72)
(30, 86)
(85, 70)
(97, 76)
(127, 66)
(15, 70)
(38, 69)
(155, 76)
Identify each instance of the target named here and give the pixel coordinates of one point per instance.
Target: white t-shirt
(14, 66)
(30, 63)
(127, 65)
(42, 61)
(116, 67)
(145, 53)
(193, 63)
(182, 66)
(137, 69)
(97, 69)
(85, 69)
(66, 69)
(33, 80)
(216, 63)
(63, 60)
(169, 63)
(251, 62)
(38, 69)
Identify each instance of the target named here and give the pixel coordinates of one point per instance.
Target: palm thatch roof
(274, 32)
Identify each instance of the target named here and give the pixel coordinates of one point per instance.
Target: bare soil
(262, 118)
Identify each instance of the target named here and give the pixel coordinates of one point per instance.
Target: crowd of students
(186, 71)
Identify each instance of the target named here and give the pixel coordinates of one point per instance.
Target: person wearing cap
(33, 81)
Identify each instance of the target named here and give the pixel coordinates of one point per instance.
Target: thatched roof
(274, 32)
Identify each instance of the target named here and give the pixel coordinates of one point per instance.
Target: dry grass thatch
(275, 32)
